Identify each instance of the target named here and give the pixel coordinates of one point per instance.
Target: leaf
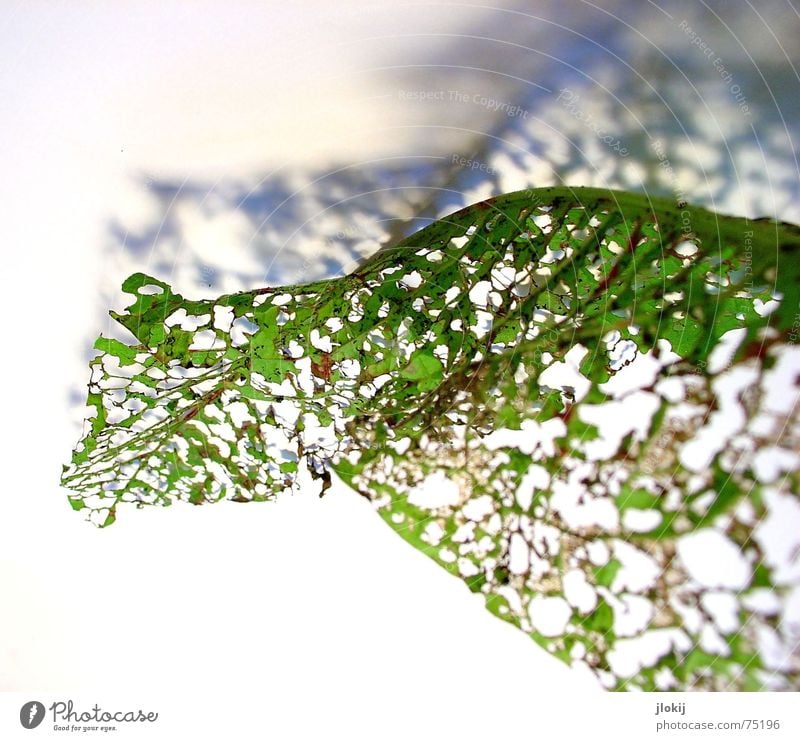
(530, 391)
(425, 369)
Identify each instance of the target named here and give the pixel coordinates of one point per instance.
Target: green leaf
(497, 349)
(424, 368)
(605, 574)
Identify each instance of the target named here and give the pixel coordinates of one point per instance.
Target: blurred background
(226, 146)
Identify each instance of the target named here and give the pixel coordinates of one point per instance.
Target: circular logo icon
(31, 714)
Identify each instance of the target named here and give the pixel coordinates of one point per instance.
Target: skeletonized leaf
(581, 402)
